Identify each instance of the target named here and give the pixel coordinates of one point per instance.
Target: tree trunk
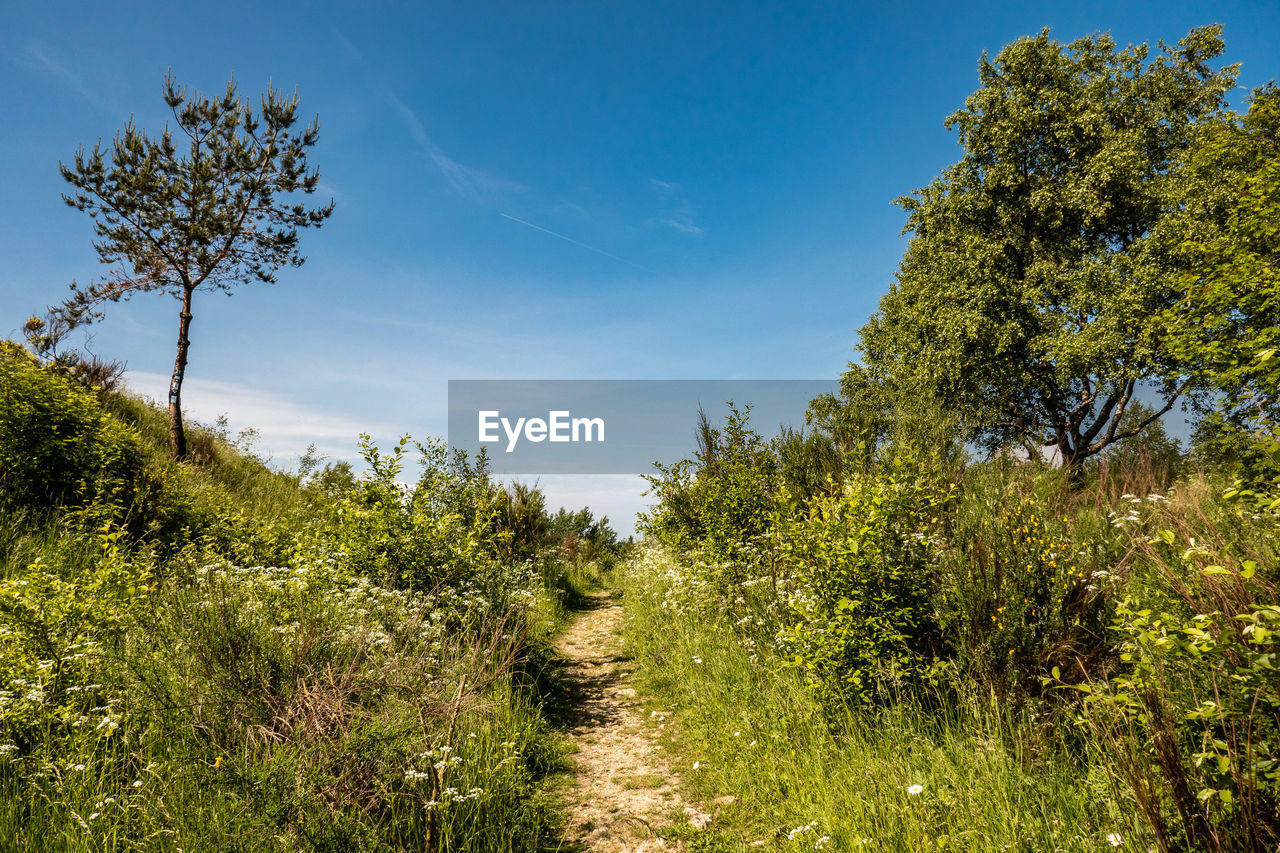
(177, 436)
(1072, 459)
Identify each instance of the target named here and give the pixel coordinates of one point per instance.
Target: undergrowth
(215, 655)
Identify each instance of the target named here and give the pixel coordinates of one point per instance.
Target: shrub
(724, 502)
(1192, 717)
(1020, 596)
(863, 565)
(57, 447)
(432, 534)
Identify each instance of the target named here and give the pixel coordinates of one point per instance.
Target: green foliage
(876, 415)
(860, 418)
(1226, 328)
(57, 622)
(259, 664)
(1193, 712)
(522, 519)
(798, 771)
(582, 538)
(723, 501)
(915, 587)
(862, 562)
(416, 537)
(275, 708)
(56, 445)
(1019, 597)
(207, 216)
(1025, 302)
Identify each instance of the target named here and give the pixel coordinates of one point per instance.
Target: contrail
(568, 240)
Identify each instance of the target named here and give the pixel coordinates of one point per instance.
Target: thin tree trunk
(177, 436)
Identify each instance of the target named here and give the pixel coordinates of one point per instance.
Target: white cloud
(684, 225)
(285, 427)
(677, 211)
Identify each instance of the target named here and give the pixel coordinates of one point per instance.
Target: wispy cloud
(685, 225)
(568, 239)
(471, 183)
(284, 426)
(40, 58)
(677, 211)
(348, 48)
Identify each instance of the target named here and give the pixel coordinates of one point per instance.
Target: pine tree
(199, 207)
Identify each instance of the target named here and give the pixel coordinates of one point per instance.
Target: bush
(1020, 596)
(57, 447)
(1192, 715)
(863, 565)
(431, 535)
(723, 502)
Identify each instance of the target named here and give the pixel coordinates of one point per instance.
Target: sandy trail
(624, 790)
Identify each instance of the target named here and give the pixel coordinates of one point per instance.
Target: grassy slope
(204, 704)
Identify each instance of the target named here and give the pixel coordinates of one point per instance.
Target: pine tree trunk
(178, 436)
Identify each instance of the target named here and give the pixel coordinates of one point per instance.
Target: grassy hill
(214, 655)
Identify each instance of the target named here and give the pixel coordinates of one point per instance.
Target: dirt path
(624, 790)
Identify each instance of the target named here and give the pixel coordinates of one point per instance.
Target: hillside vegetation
(974, 656)
(214, 655)
(985, 601)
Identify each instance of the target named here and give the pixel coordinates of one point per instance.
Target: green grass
(991, 779)
(216, 675)
(282, 709)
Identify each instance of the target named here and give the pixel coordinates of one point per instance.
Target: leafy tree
(722, 501)
(1228, 323)
(1025, 303)
(581, 535)
(859, 419)
(201, 212)
(873, 417)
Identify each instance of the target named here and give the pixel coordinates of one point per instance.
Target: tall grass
(208, 665)
(990, 777)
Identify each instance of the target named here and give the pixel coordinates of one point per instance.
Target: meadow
(963, 654)
(217, 655)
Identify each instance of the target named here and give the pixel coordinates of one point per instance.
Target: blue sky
(537, 190)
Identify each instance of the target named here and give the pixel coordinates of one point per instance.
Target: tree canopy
(1024, 303)
(1226, 327)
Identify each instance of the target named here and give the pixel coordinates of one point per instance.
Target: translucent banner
(610, 426)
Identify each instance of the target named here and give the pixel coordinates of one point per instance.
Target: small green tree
(1227, 325)
(199, 212)
(1027, 300)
